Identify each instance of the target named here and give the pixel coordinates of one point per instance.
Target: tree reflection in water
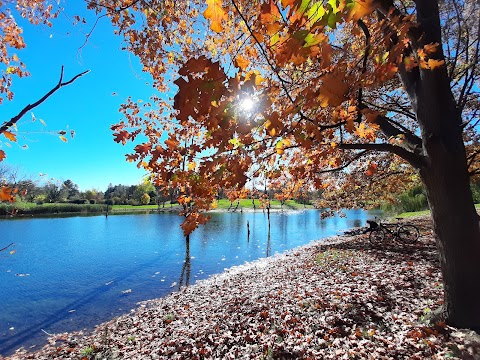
(186, 268)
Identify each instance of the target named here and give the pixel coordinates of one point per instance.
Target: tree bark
(444, 171)
(445, 174)
(456, 229)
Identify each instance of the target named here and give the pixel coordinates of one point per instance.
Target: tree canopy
(291, 88)
(359, 98)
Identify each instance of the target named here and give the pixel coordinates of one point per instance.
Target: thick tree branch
(416, 160)
(29, 107)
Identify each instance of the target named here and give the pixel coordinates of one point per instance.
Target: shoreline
(128, 211)
(333, 298)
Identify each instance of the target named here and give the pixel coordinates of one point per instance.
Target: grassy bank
(423, 213)
(249, 204)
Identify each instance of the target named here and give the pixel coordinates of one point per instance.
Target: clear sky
(92, 159)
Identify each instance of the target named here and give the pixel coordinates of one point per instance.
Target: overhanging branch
(416, 160)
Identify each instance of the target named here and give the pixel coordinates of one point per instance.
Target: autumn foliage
(321, 76)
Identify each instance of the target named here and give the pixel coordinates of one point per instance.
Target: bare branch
(29, 107)
(6, 247)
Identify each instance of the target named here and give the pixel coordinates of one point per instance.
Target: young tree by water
(357, 95)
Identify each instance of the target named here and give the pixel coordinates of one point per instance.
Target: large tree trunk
(444, 171)
(457, 235)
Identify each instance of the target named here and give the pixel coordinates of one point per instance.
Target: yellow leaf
(431, 64)
(10, 136)
(216, 14)
(192, 165)
(63, 138)
(241, 62)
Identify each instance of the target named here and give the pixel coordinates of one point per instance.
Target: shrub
(53, 209)
(413, 200)
(93, 201)
(475, 193)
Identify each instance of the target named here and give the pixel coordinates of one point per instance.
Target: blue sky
(92, 159)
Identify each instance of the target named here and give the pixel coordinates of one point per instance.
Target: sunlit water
(73, 273)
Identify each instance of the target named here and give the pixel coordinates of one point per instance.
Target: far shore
(28, 210)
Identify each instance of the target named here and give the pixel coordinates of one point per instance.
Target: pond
(73, 273)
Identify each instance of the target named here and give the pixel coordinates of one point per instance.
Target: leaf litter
(339, 298)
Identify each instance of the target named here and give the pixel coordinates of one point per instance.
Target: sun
(247, 104)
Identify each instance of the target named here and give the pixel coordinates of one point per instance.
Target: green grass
(421, 213)
(247, 204)
(413, 213)
(135, 207)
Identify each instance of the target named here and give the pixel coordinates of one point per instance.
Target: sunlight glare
(247, 104)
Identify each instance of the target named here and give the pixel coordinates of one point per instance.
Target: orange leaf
(431, 64)
(333, 90)
(216, 14)
(372, 169)
(6, 194)
(2, 155)
(241, 62)
(63, 138)
(10, 136)
(359, 8)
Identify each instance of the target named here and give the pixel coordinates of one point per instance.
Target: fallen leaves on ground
(336, 299)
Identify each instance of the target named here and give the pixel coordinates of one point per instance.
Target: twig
(29, 107)
(6, 247)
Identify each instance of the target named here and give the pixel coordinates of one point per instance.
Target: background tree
(342, 89)
(55, 191)
(72, 189)
(141, 190)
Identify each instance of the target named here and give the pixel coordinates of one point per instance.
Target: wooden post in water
(248, 230)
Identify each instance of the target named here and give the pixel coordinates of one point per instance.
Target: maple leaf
(121, 136)
(359, 8)
(2, 155)
(431, 64)
(216, 14)
(7, 194)
(241, 62)
(333, 90)
(10, 136)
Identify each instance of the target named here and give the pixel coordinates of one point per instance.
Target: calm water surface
(73, 273)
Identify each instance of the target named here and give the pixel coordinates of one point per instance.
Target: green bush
(413, 200)
(475, 192)
(6, 209)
